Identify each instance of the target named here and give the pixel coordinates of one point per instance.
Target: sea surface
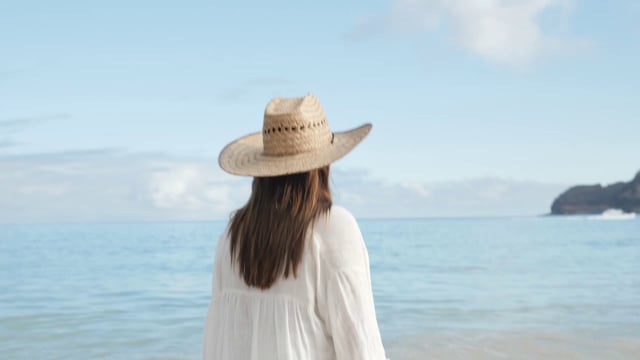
(472, 288)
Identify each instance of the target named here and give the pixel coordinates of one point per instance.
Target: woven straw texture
(295, 138)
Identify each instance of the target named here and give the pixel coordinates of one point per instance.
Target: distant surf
(614, 214)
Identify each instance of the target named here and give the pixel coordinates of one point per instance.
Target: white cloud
(419, 189)
(193, 186)
(42, 190)
(500, 31)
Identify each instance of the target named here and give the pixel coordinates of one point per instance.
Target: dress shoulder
(340, 239)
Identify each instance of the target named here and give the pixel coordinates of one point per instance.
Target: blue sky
(523, 96)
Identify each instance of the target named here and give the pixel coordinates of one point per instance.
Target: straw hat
(295, 138)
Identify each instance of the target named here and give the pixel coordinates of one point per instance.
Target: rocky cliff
(594, 199)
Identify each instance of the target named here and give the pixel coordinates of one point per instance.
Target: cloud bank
(113, 185)
(368, 197)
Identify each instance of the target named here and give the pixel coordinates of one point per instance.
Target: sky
(117, 110)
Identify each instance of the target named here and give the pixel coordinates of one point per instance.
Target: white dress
(326, 312)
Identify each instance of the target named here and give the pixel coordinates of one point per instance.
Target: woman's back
(291, 277)
(325, 312)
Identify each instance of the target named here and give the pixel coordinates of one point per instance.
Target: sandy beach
(520, 346)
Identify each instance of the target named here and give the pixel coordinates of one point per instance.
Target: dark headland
(594, 199)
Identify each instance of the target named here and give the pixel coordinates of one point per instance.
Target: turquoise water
(140, 291)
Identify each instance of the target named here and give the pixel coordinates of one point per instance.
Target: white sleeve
(345, 298)
(351, 316)
(210, 347)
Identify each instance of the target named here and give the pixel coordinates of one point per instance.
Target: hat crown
(294, 126)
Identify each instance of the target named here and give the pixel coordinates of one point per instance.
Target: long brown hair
(268, 233)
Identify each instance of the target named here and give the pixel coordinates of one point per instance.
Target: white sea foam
(614, 214)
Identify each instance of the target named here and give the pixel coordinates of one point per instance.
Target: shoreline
(521, 344)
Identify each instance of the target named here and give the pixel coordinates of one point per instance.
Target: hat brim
(245, 156)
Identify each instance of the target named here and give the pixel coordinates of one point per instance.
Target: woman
(291, 277)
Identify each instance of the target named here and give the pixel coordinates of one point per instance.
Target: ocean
(455, 288)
